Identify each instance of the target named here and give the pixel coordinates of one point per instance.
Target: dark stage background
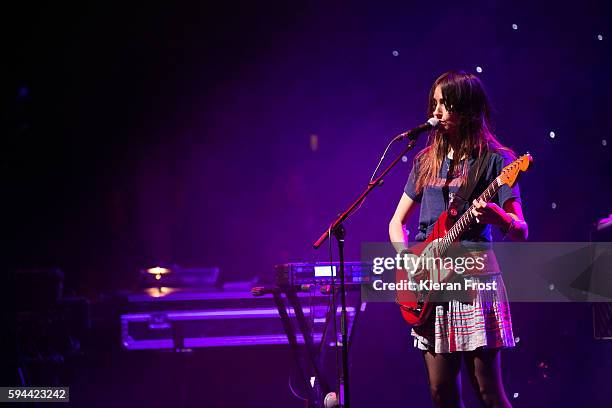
(230, 135)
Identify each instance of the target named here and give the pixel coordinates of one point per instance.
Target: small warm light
(159, 292)
(158, 277)
(158, 270)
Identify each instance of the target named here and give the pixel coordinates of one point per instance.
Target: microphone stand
(337, 229)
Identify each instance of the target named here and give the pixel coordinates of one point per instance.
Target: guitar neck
(466, 219)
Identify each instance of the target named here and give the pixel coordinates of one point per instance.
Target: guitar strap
(460, 198)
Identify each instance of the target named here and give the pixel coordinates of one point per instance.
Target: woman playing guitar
(474, 331)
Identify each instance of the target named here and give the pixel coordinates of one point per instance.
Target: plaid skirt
(456, 325)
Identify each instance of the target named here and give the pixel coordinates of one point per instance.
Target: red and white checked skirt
(465, 326)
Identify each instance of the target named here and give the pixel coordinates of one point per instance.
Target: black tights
(483, 366)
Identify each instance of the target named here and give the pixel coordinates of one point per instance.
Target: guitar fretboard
(466, 219)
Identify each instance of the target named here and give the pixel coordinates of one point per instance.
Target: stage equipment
(180, 319)
(336, 228)
(315, 278)
(178, 277)
(296, 274)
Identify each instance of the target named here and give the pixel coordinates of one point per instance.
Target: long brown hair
(465, 96)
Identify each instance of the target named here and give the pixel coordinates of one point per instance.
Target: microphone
(432, 123)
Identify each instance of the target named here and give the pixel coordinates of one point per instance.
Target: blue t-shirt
(434, 198)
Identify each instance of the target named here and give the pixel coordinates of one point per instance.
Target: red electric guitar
(414, 304)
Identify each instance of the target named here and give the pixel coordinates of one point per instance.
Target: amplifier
(165, 318)
(296, 274)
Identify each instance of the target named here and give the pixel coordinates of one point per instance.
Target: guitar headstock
(510, 173)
